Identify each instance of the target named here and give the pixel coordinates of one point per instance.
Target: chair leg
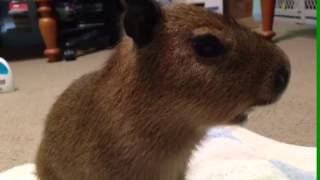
(48, 29)
(267, 8)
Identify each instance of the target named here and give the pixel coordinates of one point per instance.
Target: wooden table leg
(48, 29)
(267, 8)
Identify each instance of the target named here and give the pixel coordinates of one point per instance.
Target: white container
(6, 78)
(298, 11)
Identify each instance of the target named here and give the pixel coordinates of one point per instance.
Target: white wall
(216, 4)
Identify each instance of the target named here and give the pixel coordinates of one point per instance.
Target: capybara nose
(281, 80)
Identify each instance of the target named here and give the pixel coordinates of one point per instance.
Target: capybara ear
(141, 19)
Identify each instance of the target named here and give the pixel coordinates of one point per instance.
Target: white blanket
(232, 153)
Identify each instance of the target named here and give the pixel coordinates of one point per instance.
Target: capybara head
(213, 65)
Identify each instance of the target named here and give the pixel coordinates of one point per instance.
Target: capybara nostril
(281, 80)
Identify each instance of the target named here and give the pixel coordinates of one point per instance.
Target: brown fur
(140, 117)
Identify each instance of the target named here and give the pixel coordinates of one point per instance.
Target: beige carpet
(22, 113)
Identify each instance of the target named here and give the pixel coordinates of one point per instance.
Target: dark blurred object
(238, 8)
(18, 7)
(18, 25)
(87, 25)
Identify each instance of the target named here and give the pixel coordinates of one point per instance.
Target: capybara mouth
(240, 119)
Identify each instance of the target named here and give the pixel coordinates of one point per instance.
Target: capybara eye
(208, 46)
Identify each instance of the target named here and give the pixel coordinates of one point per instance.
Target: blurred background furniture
(50, 20)
(71, 27)
(68, 26)
(267, 11)
(298, 11)
(19, 26)
(48, 28)
(243, 10)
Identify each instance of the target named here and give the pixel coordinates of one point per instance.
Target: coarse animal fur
(140, 116)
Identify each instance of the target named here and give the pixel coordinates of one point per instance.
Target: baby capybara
(180, 70)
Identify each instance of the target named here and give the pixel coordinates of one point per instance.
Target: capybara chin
(179, 70)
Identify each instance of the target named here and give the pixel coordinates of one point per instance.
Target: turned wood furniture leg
(48, 29)
(267, 8)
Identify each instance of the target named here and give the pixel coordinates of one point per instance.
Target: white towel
(234, 153)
